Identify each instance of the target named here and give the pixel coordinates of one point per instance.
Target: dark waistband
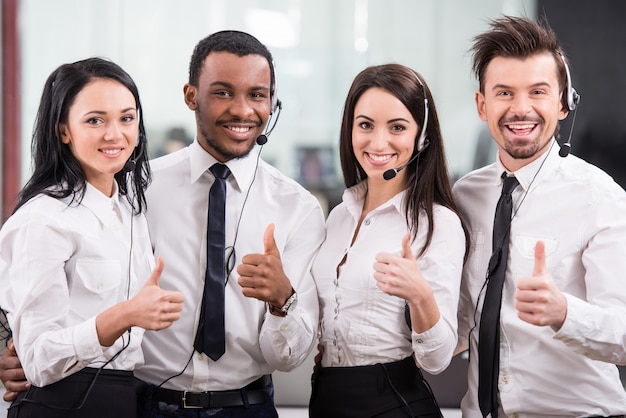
(90, 371)
(252, 394)
(400, 367)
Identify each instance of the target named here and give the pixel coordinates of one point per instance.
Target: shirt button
(334, 342)
(367, 222)
(200, 356)
(100, 285)
(505, 378)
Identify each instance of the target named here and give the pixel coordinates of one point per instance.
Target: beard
(220, 150)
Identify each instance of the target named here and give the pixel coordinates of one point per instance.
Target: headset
(571, 98)
(275, 107)
(422, 141)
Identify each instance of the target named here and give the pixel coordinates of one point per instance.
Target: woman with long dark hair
(389, 271)
(76, 252)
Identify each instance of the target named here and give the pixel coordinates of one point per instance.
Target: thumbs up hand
(155, 308)
(261, 276)
(400, 275)
(537, 299)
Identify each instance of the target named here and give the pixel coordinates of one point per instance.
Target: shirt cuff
(86, 343)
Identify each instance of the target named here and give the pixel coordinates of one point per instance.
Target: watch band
(284, 310)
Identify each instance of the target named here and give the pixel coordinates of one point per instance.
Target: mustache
(512, 119)
(256, 123)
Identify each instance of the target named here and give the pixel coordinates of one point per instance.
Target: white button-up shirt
(579, 212)
(360, 324)
(63, 263)
(257, 342)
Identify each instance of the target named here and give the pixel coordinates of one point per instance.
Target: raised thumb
(155, 276)
(407, 251)
(269, 243)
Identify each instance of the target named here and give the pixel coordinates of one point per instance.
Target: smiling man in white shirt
(563, 303)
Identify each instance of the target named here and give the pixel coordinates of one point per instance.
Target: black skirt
(87, 393)
(388, 390)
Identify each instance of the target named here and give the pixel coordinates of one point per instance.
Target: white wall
(313, 43)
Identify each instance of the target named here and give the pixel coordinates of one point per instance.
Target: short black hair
(234, 42)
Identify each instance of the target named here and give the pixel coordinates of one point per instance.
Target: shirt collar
(101, 205)
(242, 169)
(536, 170)
(355, 195)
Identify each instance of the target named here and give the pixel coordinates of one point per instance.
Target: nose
(521, 105)
(241, 107)
(378, 139)
(113, 132)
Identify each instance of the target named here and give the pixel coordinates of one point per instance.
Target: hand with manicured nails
(537, 299)
(261, 276)
(401, 276)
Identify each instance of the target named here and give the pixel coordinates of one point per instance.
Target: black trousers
(388, 390)
(112, 395)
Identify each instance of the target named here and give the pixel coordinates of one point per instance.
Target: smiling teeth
(237, 129)
(111, 151)
(528, 126)
(379, 157)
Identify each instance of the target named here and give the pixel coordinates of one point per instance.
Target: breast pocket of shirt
(524, 247)
(478, 259)
(95, 287)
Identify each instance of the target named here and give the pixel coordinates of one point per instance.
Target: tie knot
(508, 184)
(220, 171)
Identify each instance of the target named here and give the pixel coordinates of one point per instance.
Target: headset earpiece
(571, 98)
(423, 141)
(275, 103)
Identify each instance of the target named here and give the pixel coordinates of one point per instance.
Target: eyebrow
(539, 84)
(389, 121)
(103, 112)
(232, 87)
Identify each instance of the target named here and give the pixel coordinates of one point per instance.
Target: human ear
(190, 93)
(64, 133)
(480, 105)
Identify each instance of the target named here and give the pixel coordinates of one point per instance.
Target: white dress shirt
(579, 212)
(360, 324)
(61, 264)
(257, 342)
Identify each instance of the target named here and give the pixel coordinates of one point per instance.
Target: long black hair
(57, 173)
(432, 185)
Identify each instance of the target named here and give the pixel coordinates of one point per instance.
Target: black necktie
(489, 331)
(210, 337)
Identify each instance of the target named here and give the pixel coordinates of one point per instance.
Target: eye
(398, 128)
(128, 118)
(222, 93)
(94, 121)
(258, 95)
(538, 92)
(365, 125)
(503, 93)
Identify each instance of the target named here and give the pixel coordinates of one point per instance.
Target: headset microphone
(262, 139)
(391, 173)
(275, 107)
(422, 142)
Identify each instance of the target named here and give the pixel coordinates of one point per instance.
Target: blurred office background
(318, 47)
